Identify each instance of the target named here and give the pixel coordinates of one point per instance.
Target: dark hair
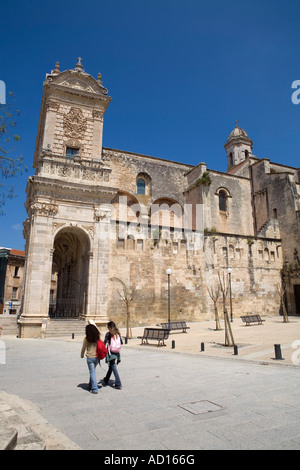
(113, 327)
(92, 333)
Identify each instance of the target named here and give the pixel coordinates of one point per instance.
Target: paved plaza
(171, 399)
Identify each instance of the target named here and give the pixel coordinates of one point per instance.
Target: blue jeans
(113, 368)
(92, 363)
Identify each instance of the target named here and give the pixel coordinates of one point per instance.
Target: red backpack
(101, 349)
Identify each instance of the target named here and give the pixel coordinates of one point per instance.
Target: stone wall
(255, 267)
(166, 178)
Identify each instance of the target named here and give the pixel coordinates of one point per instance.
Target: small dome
(237, 132)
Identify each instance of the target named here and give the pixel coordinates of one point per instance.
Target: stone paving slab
(171, 398)
(255, 342)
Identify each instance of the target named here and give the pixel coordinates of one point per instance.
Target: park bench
(248, 319)
(158, 334)
(176, 325)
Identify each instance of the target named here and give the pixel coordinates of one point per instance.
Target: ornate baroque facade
(104, 225)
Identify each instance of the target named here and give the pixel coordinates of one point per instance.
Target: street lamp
(169, 272)
(229, 270)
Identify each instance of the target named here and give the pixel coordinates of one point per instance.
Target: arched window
(222, 201)
(141, 186)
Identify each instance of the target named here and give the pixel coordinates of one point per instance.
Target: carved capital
(53, 105)
(89, 229)
(43, 208)
(101, 213)
(97, 115)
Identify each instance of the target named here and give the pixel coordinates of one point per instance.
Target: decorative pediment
(77, 80)
(77, 84)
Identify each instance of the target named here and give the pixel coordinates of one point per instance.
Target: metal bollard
(173, 344)
(235, 350)
(278, 355)
(202, 347)
(73, 335)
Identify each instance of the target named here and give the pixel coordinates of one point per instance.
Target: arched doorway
(69, 279)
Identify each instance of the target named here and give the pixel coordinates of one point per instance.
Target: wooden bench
(248, 319)
(158, 334)
(175, 325)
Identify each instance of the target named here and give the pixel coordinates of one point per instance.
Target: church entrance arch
(70, 269)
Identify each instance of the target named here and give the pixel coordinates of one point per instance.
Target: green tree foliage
(10, 166)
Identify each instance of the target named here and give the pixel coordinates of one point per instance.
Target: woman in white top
(114, 358)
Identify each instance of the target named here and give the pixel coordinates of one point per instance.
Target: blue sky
(180, 74)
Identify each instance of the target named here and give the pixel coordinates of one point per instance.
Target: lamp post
(229, 270)
(169, 272)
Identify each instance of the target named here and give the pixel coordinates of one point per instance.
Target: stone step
(8, 438)
(9, 325)
(55, 328)
(14, 433)
(65, 328)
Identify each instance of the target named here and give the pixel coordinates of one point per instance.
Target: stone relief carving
(74, 124)
(63, 171)
(89, 229)
(57, 225)
(88, 175)
(78, 85)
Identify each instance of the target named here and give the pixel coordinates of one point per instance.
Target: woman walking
(90, 346)
(113, 341)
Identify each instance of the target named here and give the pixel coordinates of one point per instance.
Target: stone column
(98, 270)
(38, 271)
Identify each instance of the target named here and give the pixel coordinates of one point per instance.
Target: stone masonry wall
(255, 267)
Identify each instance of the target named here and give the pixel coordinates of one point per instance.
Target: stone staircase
(55, 328)
(9, 325)
(65, 328)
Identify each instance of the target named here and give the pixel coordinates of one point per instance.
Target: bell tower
(67, 203)
(71, 117)
(238, 146)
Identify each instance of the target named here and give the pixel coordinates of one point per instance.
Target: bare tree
(281, 293)
(229, 341)
(126, 295)
(214, 293)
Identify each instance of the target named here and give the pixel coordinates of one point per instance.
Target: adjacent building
(11, 282)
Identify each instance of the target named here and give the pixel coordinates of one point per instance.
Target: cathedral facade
(104, 225)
